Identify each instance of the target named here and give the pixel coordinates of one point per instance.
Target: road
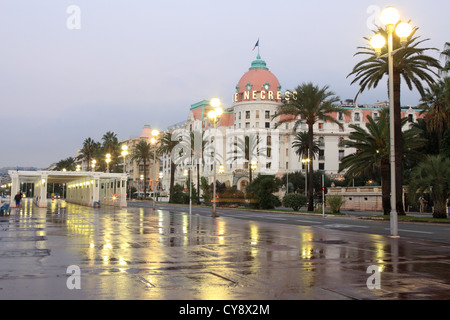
(355, 223)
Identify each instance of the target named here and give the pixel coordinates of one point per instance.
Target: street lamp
(306, 163)
(155, 134)
(390, 17)
(108, 160)
(78, 167)
(93, 165)
(142, 184)
(124, 155)
(214, 115)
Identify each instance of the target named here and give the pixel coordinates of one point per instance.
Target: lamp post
(306, 163)
(390, 17)
(124, 155)
(253, 167)
(108, 160)
(142, 184)
(214, 115)
(93, 165)
(155, 134)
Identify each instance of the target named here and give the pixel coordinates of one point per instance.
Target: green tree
(446, 55)
(432, 176)
(88, 151)
(68, 164)
(261, 190)
(301, 145)
(248, 149)
(309, 104)
(410, 63)
(372, 152)
(436, 106)
(294, 201)
(169, 143)
(142, 152)
(110, 145)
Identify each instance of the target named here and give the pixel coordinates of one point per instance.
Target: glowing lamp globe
(404, 30)
(377, 42)
(390, 16)
(215, 102)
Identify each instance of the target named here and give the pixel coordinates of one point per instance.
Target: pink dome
(258, 84)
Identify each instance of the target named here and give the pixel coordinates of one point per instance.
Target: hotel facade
(246, 137)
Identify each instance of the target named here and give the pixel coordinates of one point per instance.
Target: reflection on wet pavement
(135, 253)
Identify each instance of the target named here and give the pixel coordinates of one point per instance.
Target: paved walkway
(135, 253)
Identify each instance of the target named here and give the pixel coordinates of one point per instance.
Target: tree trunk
(385, 186)
(145, 178)
(198, 182)
(398, 145)
(172, 179)
(440, 207)
(310, 173)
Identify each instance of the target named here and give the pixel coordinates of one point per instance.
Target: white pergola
(81, 187)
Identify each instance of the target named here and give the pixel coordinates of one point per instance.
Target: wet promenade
(135, 253)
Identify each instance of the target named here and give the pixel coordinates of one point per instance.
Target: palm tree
(111, 145)
(247, 148)
(432, 176)
(371, 158)
(142, 152)
(410, 63)
(310, 105)
(300, 145)
(168, 145)
(88, 151)
(446, 55)
(68, 164)
(196, 143)
(436, 105)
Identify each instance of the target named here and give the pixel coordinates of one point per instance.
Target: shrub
(335, 203)
(294, 201)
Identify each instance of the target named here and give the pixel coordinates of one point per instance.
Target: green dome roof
(258, 64)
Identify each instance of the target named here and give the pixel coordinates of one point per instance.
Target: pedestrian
(18, 198)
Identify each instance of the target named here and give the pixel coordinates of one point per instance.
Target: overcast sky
(116, 65)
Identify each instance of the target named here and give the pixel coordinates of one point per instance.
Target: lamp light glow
(390, 16)
(377, 41)
(215, 102)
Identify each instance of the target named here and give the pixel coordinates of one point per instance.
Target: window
(287, 125)
(340, 116)
(410, 118)
(257, 114)
(267, 114)
(247, 114)
(287, 165)
(239, 116)
(257, 124)
(341, 154)
(269, 140)
(268, 165)
(341, 142)
(267, 125)
(375, 116)
(320, 126)
(321, 154)
(321, 141)
(247, 125)
(357, 118)
(269, 152)
(287, 152)
(322, 166)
